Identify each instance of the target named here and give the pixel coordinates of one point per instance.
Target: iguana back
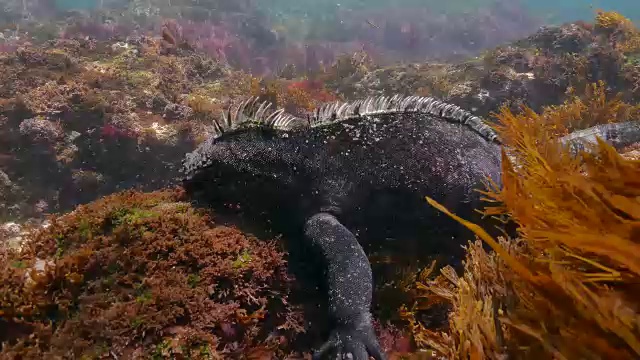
(370, 163)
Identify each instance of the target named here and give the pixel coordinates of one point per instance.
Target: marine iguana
(348, 171)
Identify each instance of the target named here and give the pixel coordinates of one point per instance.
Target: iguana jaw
(233, 167)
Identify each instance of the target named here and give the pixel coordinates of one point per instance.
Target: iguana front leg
(350, 284)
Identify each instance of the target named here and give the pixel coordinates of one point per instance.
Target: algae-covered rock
(137, 274)
(536, 71)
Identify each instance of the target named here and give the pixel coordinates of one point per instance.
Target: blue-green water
(559, 11)
(552, 11)
(77, 4)
(321, 18)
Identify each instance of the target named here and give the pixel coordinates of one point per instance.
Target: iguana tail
(619, 135)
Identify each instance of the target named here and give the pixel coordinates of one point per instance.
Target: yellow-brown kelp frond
(621, 30)
(569, 287)
(475, 329)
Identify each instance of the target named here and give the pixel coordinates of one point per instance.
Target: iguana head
(244, 153)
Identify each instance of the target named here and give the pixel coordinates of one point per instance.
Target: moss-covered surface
(143, 274)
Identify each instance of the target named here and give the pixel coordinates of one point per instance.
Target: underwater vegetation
(69, 107)
(147, 275)
(542, 69)
(93, 103)
(143, 274)
(566, 288)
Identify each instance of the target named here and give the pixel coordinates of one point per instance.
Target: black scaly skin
(619, 135)
(351, 171)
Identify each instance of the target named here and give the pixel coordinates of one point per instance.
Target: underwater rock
(13, 235)
(157, 102)
(128, 122)
(174, 111)
(5, 181)
(40, 131)
(568, 38)
(631, 152)
(11, 198)
(145, 271)
(87, 181)
(10, 230)
(162, 132)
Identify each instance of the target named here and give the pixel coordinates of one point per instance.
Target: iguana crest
(382, 105)
(251, 112)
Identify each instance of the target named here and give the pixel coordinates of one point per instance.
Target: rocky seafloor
(142, 274)
(69, 107)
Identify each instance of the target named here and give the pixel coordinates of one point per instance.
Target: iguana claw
(352, 340)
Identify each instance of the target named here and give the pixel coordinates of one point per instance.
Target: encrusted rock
(162, 132)
(460, 90)
(11, 235)
(175, 111)
(631, 152)
(129, 122)
(521, 60)
(569, 38)
(5, 181)
(84, 179)
(156, 102)
(40, 131)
